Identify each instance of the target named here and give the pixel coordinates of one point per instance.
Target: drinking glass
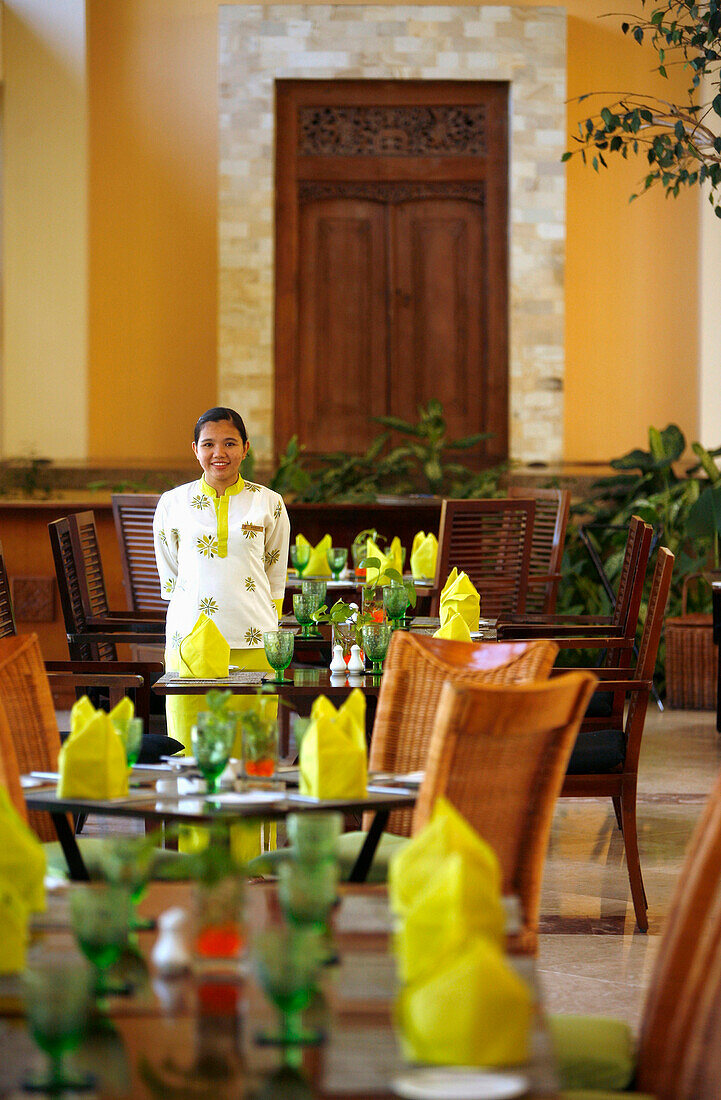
(316, 589)
(376, 637)
(220, 935)
(345, 635)
(128, 862)
(358, 552)
(212, 742)
(101, 922)
(299, 557)
(336, 557)
(57, 990)
(395, 602)
(287, 961)
(132, 738)
(304, 608)
(260, 744)
(307, 891)
(279, 645)
(314, 836)
(372, 601)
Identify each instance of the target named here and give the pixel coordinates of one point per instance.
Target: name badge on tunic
(252, 527)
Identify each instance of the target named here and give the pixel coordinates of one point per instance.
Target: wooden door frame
(292, 168)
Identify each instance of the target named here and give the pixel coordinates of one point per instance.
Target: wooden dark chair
(490, 540)
(604, 761)
(549, 537)
(7, 619)
(133, 514)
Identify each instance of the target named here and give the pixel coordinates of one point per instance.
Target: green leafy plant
(387, 575)
(681, 142)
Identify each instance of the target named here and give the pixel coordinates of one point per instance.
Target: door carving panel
(391, 258)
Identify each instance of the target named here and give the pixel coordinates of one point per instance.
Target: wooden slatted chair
(679, 1048)
(490, 540)
(498, 753)
(7, 619)
(549, 537)
(604, 762)
(133, 514)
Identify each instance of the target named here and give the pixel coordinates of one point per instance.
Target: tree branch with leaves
(681, 142)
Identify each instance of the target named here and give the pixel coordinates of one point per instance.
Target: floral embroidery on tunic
(249, 584)
(207, 545)
(163, 537)
(200, 501)
(249, 533)
(270, 557)
(176, 640)
(169, 585)
(208, 606)
(253, 635)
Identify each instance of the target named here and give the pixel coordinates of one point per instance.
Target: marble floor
(591, 957)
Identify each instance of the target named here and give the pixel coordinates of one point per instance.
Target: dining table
(161, 794)
(196, 1035)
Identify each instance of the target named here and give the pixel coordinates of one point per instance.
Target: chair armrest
(608, 679)
(118, 621)
(117, 637)
(117, 676)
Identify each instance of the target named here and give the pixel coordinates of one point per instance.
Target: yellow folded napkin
(459, 595)
(204, 653)
(121, 714)
(333, 755)
(424, 554)
(14, 924)
(92, 763)
(454, 627)
(416, 865)
(459, 902)
(318, 562)
(472, 1010)
(81, 713)
(392, 559)
(22, 857)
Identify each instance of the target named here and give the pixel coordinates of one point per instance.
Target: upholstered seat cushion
(169, 865)
(350, 844)
(593, 1052)
(597, 752)
(600, 705)
(157, 745)
(603, 1094)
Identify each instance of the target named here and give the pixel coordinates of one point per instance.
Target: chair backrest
(415, 671)
(490, 540)
(9, 770)
(133, 514)
(28, 705)
(630, 588)
(72, 585)
(498, 753)
(680, 1037)
(549, 537)
(7, 619)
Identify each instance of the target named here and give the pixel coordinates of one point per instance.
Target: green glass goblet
(128, 862)
(132, 737)
(101, 921)
(336, 557)
(376, 638)
(299, 557)
(279, 646)
(287, 961)
(307, 892)
(395, 602)
(57, 990)
(316, 589)
(212, 740)
(304, 608)
(314, 836)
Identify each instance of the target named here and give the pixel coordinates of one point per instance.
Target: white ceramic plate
(459, 1084)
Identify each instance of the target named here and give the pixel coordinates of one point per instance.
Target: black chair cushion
(156, 745)
(601, 705)
(597, 752)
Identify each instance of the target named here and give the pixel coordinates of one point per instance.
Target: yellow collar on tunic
(220, 504)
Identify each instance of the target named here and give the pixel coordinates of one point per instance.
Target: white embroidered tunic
(225, 556)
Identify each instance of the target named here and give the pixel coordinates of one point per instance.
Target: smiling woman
(221, 544)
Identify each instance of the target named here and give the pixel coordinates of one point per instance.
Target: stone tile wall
(526, 46)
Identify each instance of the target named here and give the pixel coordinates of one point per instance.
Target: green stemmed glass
(336, 557)
(314, 836)
(132, 738)
(376, 638)
(57, 990)
(279, 646)
(303, 608)
(287, 961)
(101, 921)
(395, 602)
(316, 589)
(128, 862)
(307, 892)
(212, 740)
(299, 557)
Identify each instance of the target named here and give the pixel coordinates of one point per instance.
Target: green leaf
(704, 518)
(707, 462)
(566, 156)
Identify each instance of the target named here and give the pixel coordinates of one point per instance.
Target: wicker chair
(28, 705)
(416, 669)
(9, 770)
(498, 753)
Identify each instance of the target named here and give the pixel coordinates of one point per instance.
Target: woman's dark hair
(214, 415)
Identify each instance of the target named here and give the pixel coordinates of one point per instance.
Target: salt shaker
(171, 954)
(356, 661)
(337, 664)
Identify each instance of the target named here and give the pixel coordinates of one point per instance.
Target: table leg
(362, 865)
(71, 851)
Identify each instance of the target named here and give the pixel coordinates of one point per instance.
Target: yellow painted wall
(631, 299)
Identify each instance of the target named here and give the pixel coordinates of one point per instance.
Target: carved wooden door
(391, 259)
